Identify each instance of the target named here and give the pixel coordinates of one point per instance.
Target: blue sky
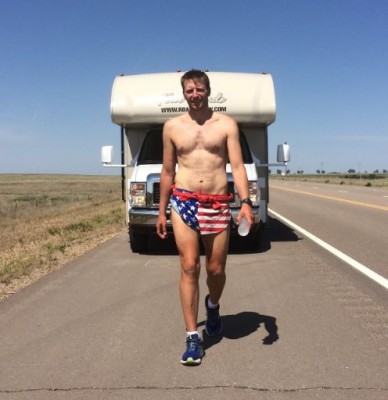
(328, 58)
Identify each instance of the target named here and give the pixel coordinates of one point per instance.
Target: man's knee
(215, 270)
(190, 268)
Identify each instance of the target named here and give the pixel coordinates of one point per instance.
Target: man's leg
(188, 247)
(216, 247)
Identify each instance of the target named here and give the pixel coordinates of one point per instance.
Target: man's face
(196, 94)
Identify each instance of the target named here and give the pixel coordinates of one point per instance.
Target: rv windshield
(152, 149)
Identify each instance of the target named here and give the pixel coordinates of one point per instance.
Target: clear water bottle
(243, 227)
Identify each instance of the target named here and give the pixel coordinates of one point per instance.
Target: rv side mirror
(107, 154)
(283, 153)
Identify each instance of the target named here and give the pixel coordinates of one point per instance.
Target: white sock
(210, 304)
(192, 333)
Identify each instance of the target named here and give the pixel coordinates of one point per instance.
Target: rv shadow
(276, 231)
(273, 231)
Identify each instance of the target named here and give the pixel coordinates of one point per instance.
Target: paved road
(352, 219)
(109, 326)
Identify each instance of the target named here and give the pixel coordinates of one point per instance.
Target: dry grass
(48, 220)
(369, 180)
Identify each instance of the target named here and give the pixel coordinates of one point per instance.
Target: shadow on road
(273, 231)
(276, 231)
(243, 324)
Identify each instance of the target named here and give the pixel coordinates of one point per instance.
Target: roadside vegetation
(357, 179)
(48, 220)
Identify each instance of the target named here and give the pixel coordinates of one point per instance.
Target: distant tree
(384, 171)
(279, 171)
(376, 172)
(351, 171)
(318, 171)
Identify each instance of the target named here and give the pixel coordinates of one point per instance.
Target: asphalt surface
(109, 326)
(353, 219)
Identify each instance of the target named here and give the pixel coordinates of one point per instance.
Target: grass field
(369, 180)
(47, 220)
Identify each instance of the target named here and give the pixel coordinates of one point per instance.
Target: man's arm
(238, 170)
(167, 176)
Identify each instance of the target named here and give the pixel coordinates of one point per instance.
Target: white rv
(140, 104)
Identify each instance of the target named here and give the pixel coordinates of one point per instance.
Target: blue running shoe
(213, 324)
(194, 351)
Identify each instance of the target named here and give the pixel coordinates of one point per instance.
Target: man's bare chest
(199, 138)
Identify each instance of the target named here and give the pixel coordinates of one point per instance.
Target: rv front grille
(156, 193)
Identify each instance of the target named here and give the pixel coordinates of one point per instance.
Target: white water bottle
(243, 227)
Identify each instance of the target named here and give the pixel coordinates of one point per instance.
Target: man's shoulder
(225, 119)
(223, 116)
(175, 121)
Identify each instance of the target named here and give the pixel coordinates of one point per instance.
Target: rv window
(152, 149)
(246, 152)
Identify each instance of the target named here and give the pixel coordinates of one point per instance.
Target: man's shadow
(243, 324)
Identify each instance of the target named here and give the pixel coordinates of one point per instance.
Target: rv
(140, 104)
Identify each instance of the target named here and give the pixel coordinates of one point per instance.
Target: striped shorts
(207, 214)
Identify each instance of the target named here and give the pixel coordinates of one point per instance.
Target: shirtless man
(200, 141)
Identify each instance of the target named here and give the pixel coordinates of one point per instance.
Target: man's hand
(245, 212)
(161, 226)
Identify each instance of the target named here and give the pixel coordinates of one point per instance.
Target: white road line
(353, 263)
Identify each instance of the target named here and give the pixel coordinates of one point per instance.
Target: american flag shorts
(207, 217)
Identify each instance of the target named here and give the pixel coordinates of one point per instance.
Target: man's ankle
(210, 304)
(189, 333)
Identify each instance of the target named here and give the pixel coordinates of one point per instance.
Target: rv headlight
(137, 194)
(254, 193)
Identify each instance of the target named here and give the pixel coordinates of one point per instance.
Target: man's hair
(196, 74)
